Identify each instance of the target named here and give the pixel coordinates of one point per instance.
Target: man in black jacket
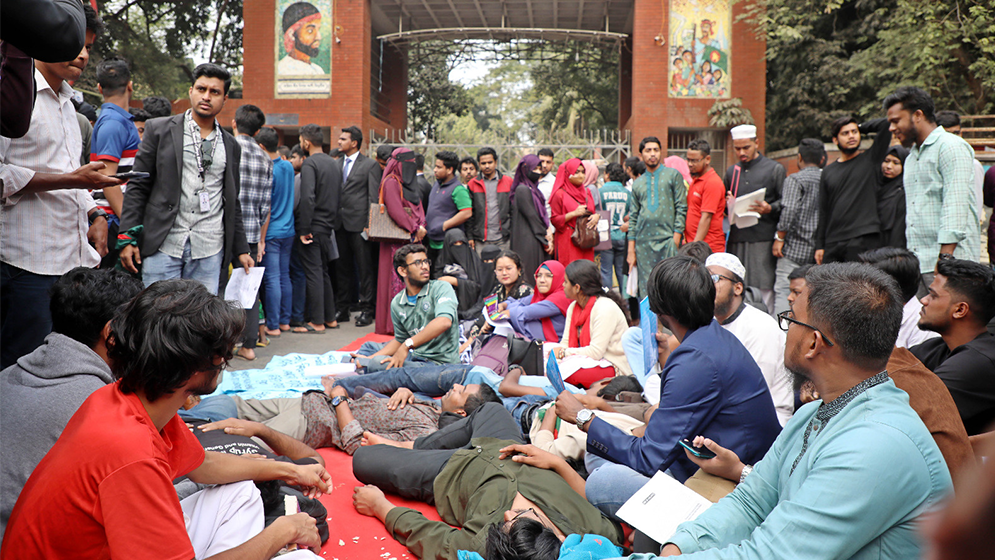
(188, 205)
(355, 252)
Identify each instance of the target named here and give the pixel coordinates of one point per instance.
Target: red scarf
(555, 296)
(581, 195)
(580, 324)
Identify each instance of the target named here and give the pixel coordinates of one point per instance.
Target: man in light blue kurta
(850, 475)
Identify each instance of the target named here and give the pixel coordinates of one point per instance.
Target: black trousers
(410, 473)
(355, 260)
(250, 336)
(315, 258)
(848, 249)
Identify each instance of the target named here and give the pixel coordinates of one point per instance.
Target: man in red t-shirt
(105, 489)
(706, 199)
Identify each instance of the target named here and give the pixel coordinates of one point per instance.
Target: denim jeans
(610, 484)
(24, 305)
(279, 292)
(161, 266)
(433, 380)
(215, 409)
(614, 258)
(371, 348)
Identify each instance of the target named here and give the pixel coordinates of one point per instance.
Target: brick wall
(652, 110)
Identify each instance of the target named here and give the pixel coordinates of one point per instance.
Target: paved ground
(289, 342)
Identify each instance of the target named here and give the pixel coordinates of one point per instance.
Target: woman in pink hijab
(678, 163)
(591, 175)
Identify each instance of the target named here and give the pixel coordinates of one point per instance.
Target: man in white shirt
(903, 266)
(45, 204)
(758, 331)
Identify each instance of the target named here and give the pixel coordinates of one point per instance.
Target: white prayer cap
(743, 132)
(727, 261)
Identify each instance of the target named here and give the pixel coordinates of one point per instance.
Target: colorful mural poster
(700, 36)
(303, 48)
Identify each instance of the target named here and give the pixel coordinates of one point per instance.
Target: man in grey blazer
(188, 206)
(356, 260)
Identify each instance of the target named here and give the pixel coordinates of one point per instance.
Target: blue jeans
(279, 291)
(610, 484)
(161, 266)
(371, 348)
(433, 380)
(215, 409)
(298, 282)
(614, 258)
(24, 307)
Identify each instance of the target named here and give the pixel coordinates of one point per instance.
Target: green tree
(431, 94)
(576, 89)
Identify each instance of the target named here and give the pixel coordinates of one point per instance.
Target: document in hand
(243, 287)
(660, 506)
(553, 373)
(740, 214)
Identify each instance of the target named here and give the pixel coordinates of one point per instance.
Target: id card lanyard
(202, 195)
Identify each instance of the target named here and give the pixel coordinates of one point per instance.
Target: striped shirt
(45, 233)
(941, 206)
(256, 175)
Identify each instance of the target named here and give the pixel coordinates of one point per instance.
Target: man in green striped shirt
(941, 214)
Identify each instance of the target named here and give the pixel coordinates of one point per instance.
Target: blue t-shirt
(115, 138)
(281, 212)
(615, 199)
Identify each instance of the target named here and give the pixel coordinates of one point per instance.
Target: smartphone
(132, 175)
(699, 452)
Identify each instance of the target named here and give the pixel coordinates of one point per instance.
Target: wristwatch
(584, 416)
(776, 238)
(337, 400)
(97, 213)
(410, 344)
(747, 469)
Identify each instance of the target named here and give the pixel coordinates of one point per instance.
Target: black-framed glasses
(420, 262)
(206, 153)
(784, 321)
(717, 277)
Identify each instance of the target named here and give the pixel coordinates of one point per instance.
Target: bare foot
(369, 438)
(274, 332)
(284, 328)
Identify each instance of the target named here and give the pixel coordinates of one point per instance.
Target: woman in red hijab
(542, 317)
(570, 202)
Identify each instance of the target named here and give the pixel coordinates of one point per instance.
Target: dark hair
(88, 111)
(401, 256)
(974, 282)
(384, 151)
(485, 395)
(268, 138)
(912, 99)
(647, 140)
(335, 153)
(140, 115)
(449, 159)
(84, 299)
(526, 539)
(469, 160)
(900, 264)
(812, 151)
(858, 307)
(169, 332)
(509, 254)
(638, 168)
(209, 70)
(487, 151)
(678, 59)
(157, 106)
(681, 287)
(354, 134)
(946, 119)
(249, 119)
(700, 145)
(297, 150)
(799, 272)
(839, 123)
(420, 161)
(93, 21)
(618, 384)
(113, 75)
(587, 277)
(698, 250)
(313, 134)
(616, 173)
(284, 151)
(545, 152)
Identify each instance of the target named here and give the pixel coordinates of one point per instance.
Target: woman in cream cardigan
(594, 324)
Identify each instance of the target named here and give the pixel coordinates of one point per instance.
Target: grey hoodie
(38, 396)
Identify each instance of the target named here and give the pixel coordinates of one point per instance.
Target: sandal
(331, 326)
(307, 329)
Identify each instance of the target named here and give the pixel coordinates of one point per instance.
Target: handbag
(382, 227)
(583, 236)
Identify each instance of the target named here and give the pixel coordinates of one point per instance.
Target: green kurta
(659, 207)
(475, 489)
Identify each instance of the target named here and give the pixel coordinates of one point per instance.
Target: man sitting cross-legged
(116, 459)
(465, 470)
(41, 392)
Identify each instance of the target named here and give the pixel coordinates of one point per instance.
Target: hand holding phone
(132, 175)
(699, 452)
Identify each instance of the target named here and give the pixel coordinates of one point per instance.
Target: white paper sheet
(660, 506)
(741, 216)
(632, 285)
(243, 287)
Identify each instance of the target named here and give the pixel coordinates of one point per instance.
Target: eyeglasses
(420, 262)
(545, 275)
(717, 277)
(784, 321)
(521, 512)
(695, 161)
(206, 152)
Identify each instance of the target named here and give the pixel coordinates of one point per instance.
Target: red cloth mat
(345, 524)
(372, 337)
